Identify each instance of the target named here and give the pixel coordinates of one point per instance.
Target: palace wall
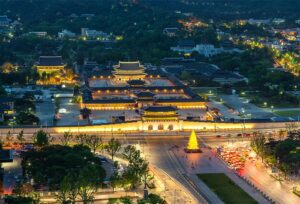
(136, 126)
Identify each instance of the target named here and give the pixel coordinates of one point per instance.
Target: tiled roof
(146, 94)
(186, 43)
(4, 107)
(129, 65)
(4, 19)
(136, 82)
(160, 108)
(4, 99)
(50, 61)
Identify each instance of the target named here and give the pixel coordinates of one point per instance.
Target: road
(160, 152)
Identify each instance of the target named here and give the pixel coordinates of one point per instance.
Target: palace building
(160, 118)
(127, 71)
(130, 85)
(50, 64)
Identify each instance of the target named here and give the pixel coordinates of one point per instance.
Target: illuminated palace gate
(161, 118)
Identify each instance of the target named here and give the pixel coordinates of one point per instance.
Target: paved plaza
(240, 105)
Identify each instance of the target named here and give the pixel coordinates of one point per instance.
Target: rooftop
(186, 43)
(4, 99)
(50, 61)
(136, 83)
(171, 29)
(145, 94)
(4, 19)
(226, 75)
(129, 65)
(4, 107)
(160, 109)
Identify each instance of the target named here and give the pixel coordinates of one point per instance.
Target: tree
(185, 75)
(94, 142)
(281, 134)
(9, 138)
(66, 138)
(152, 199)
(81, 139)
(284, 168)
(88, 182)
(113, 147)
(8, 68)
(258, 144)
(27, 118)
(138, 169)
(50, 164)
(73, 190)
(64, 191)
(20, 137)
(41, 138)
(294, 135)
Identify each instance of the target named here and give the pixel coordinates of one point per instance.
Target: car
(218, 136)
(239, 135)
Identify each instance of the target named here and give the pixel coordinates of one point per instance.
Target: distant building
(66, 34)
(297, 21)
(278, 21)
(175, 62)
(50, 64)
(184, 46)
(16, 24)
(259, 22)
(226, 77)
(4, 21)
(6, 107)
(87, 15)
(171, 32)
(90, 65)
(94, 34)
(40, 34)
(207, 50)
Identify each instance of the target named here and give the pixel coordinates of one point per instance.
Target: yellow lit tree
(193, 142)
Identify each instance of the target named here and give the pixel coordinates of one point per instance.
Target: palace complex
(130, 86)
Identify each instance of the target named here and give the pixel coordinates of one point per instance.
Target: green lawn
(227, 191)
(287, 113)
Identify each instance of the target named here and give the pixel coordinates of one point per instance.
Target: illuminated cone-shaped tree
(193, 144)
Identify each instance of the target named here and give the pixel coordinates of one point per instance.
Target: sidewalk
(202, 164)
(281, 192)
